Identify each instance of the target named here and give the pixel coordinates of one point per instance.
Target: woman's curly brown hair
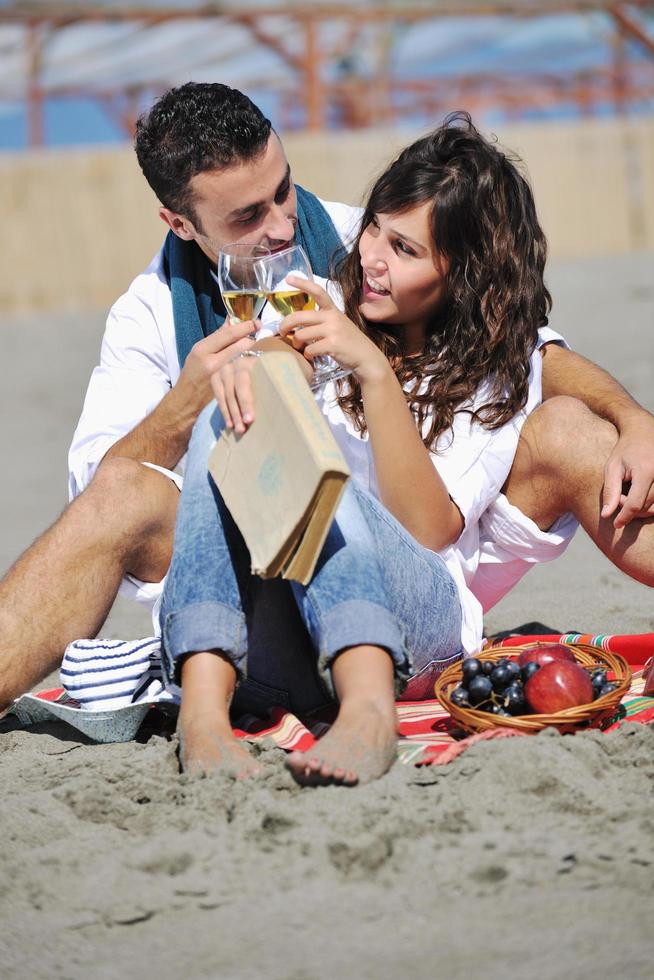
(483, 220)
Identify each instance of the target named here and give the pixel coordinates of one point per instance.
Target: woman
(443, 297)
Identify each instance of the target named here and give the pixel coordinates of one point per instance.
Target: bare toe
(359, 747)
(207, 748)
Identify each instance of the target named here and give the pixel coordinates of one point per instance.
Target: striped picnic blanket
(427, 736)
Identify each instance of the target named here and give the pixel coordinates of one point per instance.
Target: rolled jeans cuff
(362, 623)
(199, 627)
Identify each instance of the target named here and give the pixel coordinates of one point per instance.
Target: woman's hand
(232, 387)
(328, 331)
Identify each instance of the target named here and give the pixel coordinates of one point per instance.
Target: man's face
(253, 202)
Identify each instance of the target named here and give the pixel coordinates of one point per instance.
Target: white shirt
(473, 462)
(139, 364)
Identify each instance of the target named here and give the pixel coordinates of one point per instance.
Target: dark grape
(479, 689)
(607, 689)
(528, 670)
(487, 666)
(514, 667)
(459, 696)
(471, 667)
(514, 699)
(501, 677)
(598, 679)
(503, 713)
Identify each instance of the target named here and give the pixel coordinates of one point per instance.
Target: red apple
(648, 674)
(545, 653)
(558, 685)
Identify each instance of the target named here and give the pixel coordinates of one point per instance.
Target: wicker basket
(569, 720)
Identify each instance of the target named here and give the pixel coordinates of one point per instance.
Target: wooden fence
(79, 224)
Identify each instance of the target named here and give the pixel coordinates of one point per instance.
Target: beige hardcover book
(282, 479)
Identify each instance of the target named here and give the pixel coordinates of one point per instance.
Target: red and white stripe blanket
(428, 735)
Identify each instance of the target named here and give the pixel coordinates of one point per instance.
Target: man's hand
(209, 354)
(631, 462)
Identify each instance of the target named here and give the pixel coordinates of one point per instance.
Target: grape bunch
(601, 685)
(498, 687)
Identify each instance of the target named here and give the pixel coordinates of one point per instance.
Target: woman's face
(403, 280)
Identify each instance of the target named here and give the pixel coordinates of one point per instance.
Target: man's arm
(163, 436)
(632, 460)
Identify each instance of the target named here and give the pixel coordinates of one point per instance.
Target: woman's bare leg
(361, 745)
(207, 741)
(559, 467)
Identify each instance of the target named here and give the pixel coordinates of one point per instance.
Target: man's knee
(563, 447)
(128, 494)
(562, 432)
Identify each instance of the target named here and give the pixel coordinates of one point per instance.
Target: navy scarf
(198, 308)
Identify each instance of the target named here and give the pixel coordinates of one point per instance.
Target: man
(221, 175)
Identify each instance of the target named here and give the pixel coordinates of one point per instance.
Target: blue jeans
(373, 584)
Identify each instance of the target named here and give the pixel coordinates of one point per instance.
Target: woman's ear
(442, 263)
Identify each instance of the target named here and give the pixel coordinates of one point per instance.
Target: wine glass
(273, 271)
(237, 278)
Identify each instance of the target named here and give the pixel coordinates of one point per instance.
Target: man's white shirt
(139, 363)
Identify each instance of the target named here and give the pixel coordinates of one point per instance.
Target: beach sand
(531, 857)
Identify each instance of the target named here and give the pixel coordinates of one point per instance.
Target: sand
(526, 856)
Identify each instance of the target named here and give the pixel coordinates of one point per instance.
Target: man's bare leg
(63, 586)
(361, 745)
(559, 467)
(207, 741)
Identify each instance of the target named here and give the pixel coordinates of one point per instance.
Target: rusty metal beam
(487, 91)
(52, 11)
(315, 96)
(35, 121)
(630, 27)
(357, 101)
(268, 40)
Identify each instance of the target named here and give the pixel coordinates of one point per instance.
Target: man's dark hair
(192, 129)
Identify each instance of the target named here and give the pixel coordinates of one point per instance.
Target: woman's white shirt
(473, 462)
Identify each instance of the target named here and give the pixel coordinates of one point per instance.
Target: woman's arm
(409, 485)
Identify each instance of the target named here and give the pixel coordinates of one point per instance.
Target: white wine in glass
(243, 305)
(288, 301)
(237, 278)
(273, 271)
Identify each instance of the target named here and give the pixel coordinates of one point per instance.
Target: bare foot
(208, 745)
(360, 746)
